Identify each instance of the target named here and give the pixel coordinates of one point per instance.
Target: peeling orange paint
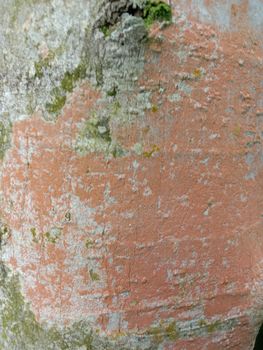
(175, 234)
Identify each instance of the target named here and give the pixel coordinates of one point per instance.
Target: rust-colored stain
(173, 233)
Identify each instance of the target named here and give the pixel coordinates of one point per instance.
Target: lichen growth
(154, 108)
(67, 84)
(253, 143)
(18, 325)
(53, 234)
(18, 4)
(99, 74)
(71, 78)
(89, 243)
(237, 130)
(157, 333)
(57, 103)
(197, 73)
(210, 327)
(5, 233)
(50, 236)
(95, 137)
(19, 328)
(43, 64)
(149, 154)
(171, 331)
(34, 234)
(96, 132)
(5, 137)
(115, 75)
(164, 331)
(94, 275)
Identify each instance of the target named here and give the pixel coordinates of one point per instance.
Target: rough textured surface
(131, 176)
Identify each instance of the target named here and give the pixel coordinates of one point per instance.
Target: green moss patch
(155, 10)
(106, 30)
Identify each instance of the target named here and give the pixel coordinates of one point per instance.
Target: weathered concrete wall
(131, 175)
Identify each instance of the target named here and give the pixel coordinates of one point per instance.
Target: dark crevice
(259, 339)
(153, 10)
(114, 11)
(110, 22)
(135, 11)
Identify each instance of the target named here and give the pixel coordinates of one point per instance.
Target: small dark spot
(68, 216)
(113, 91)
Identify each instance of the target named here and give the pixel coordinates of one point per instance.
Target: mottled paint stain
(165, 240)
